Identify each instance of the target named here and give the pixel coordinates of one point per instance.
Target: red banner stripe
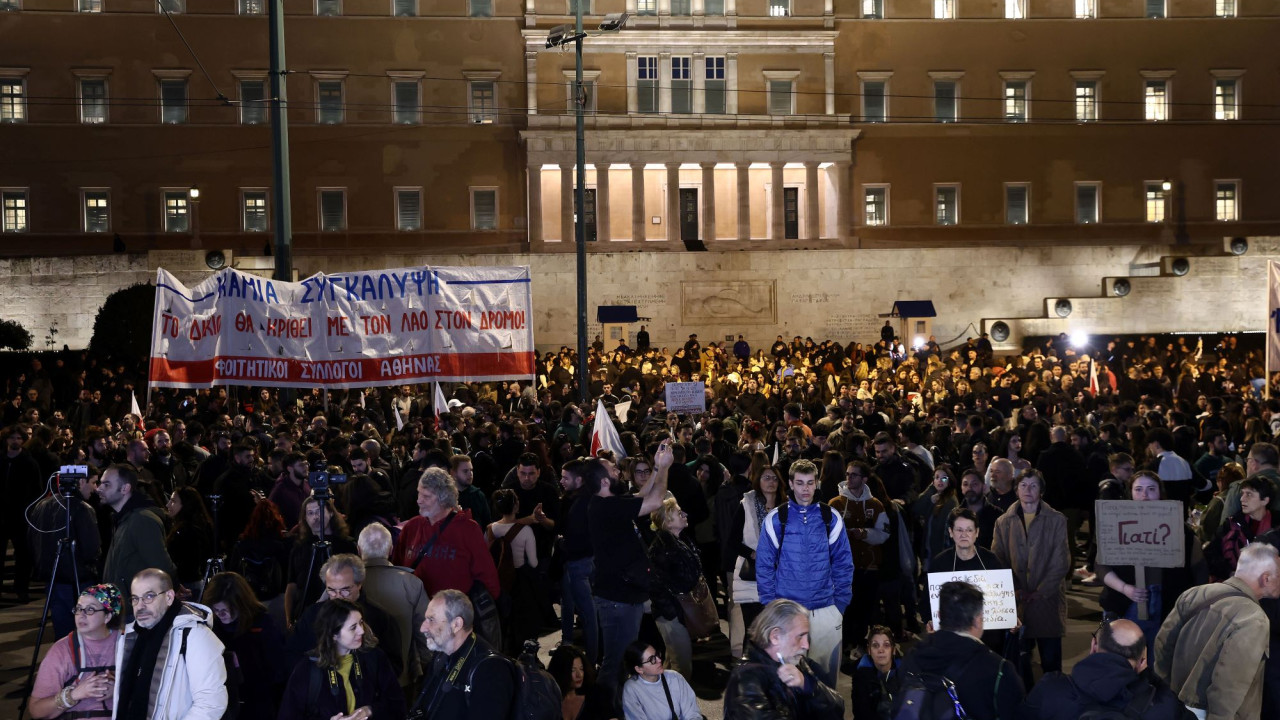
(356, 372)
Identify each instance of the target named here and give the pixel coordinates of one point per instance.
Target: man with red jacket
(443, 545)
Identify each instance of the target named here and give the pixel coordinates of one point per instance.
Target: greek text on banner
(384, 327)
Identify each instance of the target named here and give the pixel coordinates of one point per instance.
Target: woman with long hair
(933, 507)
(304, 587)
(77, 676)
(245, 627)
(830, 476)
(261, 555)
(767, 492)
(190, 541)
(583, 697)
(355, 681)
(523, 594)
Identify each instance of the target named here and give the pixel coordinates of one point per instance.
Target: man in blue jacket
(804, 556)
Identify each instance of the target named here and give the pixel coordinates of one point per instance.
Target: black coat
(756, 693)
(870, 689)
(676, 569)
(483, 689)
(378, 688)
(1099, 679)
(988, 686)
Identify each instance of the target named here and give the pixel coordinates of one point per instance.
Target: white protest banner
(1143, 534)
(999, 606)
(357, 329)
(686, 397)
(621, 410)
(1273, 318)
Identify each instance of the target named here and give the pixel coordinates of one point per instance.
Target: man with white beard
(467, 679)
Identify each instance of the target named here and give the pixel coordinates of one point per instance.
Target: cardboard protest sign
(356, 329)
(1142, 534)
(686, 397)
(999, 606)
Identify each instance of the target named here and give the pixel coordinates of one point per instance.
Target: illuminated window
(944, 9)
(1086, 100)
(1225, 8)
(875, 205)
(946, 204)
(96, 207)
(1086, 9)
(1155, 100)
(872, 9)
(253, 210)
(1226, 99)
(1155, 200)
(177, 215)
(14, 203)
(13, 100)
(1015, 101)
(1226, 198)
(1015, 9)
(779, 8)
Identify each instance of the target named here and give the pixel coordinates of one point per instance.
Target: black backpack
(925, 696)
(264, 574)
(235, 678)
(537, 695)
(1144, 696)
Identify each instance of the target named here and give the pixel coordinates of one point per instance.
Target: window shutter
(409, 204)
(486, 211)
(332, 212)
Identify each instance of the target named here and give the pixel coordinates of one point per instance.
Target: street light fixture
(559, 36)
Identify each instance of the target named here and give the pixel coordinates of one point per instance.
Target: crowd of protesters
(805, 506)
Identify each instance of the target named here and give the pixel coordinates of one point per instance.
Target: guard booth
(913, 320)
(616, 323)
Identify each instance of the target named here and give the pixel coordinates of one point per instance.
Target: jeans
(60, 607)
(679, 646)
(1150, 626)
(575, 596)
(619, 624)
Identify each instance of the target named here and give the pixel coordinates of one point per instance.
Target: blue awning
(913, 309)
(612, 314)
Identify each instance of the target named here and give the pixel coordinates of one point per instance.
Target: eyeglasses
(145, 599)
(342, 592)
(654, 659)
(643, 471)
(86, 611)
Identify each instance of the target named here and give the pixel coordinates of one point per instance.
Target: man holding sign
(986, 685)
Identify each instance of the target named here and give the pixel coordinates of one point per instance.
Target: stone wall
(836, 293)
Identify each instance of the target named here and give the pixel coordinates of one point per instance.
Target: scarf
(139, 668)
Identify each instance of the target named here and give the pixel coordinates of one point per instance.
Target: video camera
(320, 478)
(69, 477)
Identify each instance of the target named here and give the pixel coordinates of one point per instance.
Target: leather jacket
(756, 693)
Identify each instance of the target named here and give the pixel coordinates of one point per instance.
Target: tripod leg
(44, 619)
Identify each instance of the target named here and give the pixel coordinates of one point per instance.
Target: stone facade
(819, 293)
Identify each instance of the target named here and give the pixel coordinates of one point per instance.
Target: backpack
(782, 522)
(925, 696)
(235, 678)
(264, 574)
(1136, 709)
(537, 696)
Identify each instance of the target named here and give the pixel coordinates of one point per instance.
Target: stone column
(633, 70)
(841, 173)
(708, 202)
(699, 70)
(567, 231)
(531, 78)
(829, 61)
(777, 227)
(731, 81)
(602, 203)
(811, 201)
(638, 218)
(744, 200)
(535, 205)
(673, 201)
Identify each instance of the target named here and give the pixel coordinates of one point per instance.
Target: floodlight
(613, 22)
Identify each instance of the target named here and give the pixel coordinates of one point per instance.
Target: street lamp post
(559, 36)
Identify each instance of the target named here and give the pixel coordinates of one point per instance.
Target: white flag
(395, 409)
(603, 435)
(133, 404)
(621, 410)
(439, 402)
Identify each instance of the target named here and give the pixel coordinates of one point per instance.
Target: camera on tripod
(69, 477)
(320, 478)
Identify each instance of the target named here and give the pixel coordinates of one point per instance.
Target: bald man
(1110, 676)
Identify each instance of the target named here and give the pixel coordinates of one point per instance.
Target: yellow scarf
(344, 670)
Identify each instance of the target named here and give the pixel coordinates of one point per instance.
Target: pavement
(19, 624)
